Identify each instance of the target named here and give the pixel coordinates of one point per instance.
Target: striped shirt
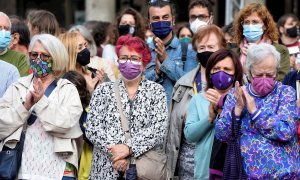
(8, 74)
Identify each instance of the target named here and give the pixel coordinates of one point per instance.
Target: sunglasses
(43, 56)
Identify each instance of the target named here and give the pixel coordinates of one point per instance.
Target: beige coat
(59, 115)
(181, 97)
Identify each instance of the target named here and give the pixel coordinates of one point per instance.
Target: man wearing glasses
(15, 58)
(166, 66)
(200, 14)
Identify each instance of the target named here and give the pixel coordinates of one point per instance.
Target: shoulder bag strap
(124, 120)
(184, 48)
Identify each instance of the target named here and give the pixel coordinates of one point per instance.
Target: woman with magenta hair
(143, 104)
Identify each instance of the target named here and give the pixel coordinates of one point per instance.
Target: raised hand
(213, 96)
(240, 102)
(35, 94)
(160, 50)
(249, 100)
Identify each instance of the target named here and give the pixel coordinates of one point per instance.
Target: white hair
(55, 48)
(87, 36)
(3, 14)
(258, 53)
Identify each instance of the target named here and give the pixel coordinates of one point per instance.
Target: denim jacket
(172, 67)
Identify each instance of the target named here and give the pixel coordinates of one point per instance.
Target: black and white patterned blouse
(147, 123)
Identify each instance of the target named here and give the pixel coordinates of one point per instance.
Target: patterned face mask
(41, 68)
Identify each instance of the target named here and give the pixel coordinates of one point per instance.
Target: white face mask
(131, 30)
(149, 40)
(195, 25)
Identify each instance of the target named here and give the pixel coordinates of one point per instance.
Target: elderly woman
(255, 25)
(221, 72)
(180, 152)
(143, 104)
(51, 146)
(267, 111)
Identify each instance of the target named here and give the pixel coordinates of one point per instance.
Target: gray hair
(5, 15)
(87, 36)
(257, 53)
(55, 48)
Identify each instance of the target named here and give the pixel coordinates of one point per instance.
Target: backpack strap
(184, 48)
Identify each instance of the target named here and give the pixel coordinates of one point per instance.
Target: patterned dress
(147, 123)
(269, 136)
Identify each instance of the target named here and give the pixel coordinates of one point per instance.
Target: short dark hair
(202, 3)
(228, 29)
(21, 28)
(161, 4)
(78, 80)
(219, 56)
(284, 18)
(98, 30)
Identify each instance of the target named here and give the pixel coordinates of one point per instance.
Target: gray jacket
(181, 97)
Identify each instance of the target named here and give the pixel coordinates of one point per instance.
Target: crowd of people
(125, 100)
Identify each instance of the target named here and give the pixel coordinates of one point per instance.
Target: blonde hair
(87, 36)
(55, 48)
(70, 40)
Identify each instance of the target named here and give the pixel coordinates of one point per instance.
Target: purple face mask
(221, 80)
(263, 85)
(130, 71)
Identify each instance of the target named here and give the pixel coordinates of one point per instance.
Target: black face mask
(83, 57)
(292, 32)
(203, 57)
(125, 29)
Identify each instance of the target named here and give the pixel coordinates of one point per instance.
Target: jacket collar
(189, 78)
(174, 43)
(26, 81)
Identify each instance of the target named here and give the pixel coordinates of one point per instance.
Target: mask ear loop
(210, 19)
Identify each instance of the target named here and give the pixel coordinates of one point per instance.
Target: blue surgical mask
(5, 38)
(161, 29)
(252, 32)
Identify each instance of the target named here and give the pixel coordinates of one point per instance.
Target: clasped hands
(213, 96)
(35, 94)
(118, 154)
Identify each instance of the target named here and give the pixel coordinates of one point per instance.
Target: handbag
(10, 159)
(152, 164)
(233, 166)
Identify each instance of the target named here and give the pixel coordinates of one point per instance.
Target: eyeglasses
(253, 22)
(201, 17)
(133, 59)
(158, 1)
(43, 56)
